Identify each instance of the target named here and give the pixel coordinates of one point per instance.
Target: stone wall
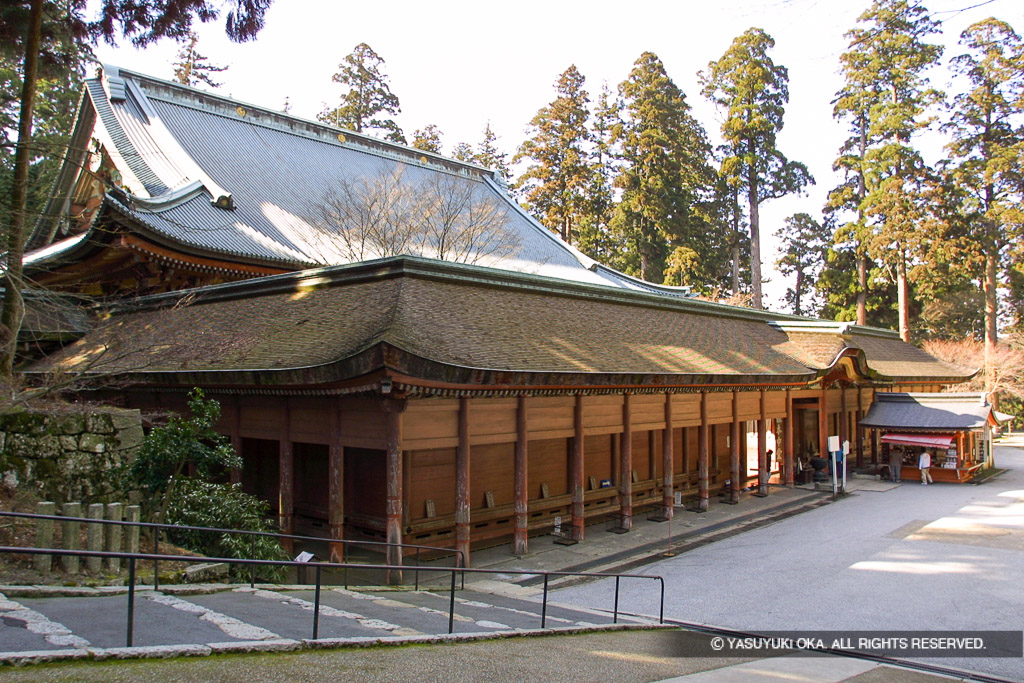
(68, 456)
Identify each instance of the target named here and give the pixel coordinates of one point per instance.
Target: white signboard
(833, 444)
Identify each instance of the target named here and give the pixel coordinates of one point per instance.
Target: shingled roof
(435, 323)
(211, 176)
(929, 412)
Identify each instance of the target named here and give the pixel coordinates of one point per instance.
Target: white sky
(459, 64)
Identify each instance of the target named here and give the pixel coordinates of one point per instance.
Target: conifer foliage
(368, 101)
(193, 68)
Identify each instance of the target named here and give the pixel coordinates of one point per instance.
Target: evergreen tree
(368, 99)
(595, 238)
(427, 138)
(193, 68)
(884, 68)
(555, 184)
(805, 242)
(665, 172)
(986, 151)
(488, 154)
(753, 91)
(463, 152)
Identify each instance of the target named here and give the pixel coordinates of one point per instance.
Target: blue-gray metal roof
(928, 412)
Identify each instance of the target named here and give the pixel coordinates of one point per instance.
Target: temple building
(467, 382)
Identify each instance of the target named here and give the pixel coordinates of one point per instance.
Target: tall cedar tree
(193, 68)
(427, 138)
(986, 149)
(805, 242)
(23, 29)
(556, 183)
(886, 62)
(489, 155)
(594, 237)
(753, 91)
(665, 171)
(368, 96)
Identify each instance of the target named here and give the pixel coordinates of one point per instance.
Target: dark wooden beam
(462, 493)
(788, 445)
(286, 480)
(858, 430)
(520, 537)
(823, 425)
(703, 489)
(667, 497)
(336, 483)
(576, 470)
(626, 464)
(393, 409)
(737, 475)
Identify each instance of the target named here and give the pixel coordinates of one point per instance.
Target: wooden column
(336, 483)
(858, 430)
(667, 497)
(787, 441)
(393, 409)
(844, 422)
(702, 455)
(520, 544)
(462, 493)
(286, 481)
(235, 476)
(762, 449)
(576, 471)
(735, 466)
(626, 464)
(822, 425)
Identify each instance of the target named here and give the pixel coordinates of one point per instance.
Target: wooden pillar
(393, 503)
(286, 481)
(702, 455)
(762, 449)
(667, 472)
(874, 446)
(336, 484)
(822, 425)
(235, 475)
(735, 466)
(462, 493)
(626, 464)
(844, 422)
(858, 430)
(577, 471)
(788, 456)
(520, 544)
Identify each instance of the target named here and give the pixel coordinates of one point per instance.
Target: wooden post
(393, 409)
(762, 449)
(520, 533)
(822, 425)
(858, 430)
(788, 456)
(735, 468)
(702, 455)
(462, 507)
(874, 446)
(667, 473)
(626, 464)
(235, 476)
(576, 471)
(844, 422)
(336, 484)
(286, 493)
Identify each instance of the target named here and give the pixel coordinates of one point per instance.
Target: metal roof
(928, 412)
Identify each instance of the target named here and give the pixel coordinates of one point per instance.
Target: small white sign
(304, 556)
(846, 447)
(558, 524)
(679, 497)
(833, 444)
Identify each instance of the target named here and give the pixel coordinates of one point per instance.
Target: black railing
(319, 566)
(460, 560)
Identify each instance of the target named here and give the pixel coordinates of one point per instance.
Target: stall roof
(929, 412)
(926, 440)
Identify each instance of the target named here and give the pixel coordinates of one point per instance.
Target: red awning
(926, 440)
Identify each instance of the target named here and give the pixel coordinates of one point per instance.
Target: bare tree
(1002, 377)
(438, 216)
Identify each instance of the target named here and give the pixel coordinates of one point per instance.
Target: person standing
(924, 463)
(895, 464)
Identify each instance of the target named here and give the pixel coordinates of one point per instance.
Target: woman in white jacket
(924, 463)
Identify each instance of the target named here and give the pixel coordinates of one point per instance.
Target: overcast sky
(460, 64)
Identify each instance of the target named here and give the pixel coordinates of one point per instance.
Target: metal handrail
(133, 557)
(460, 558)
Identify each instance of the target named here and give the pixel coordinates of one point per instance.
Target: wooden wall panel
(692, 443)
(362, 424)
(310, 419)
(832, 400)
(364, 482)
(492, 420)
(749, 406)
(805, 393)
(430, 424)
(648, 411)
(720, 406)
(775, 403)
(678, 463)
(598, 461)
(602, 414)
(685, 410)
(311, 476)
(432, 478)
(867, 397)
(550, 416)
(641, 455)
(491, 469)
(548, 464)
(262, 420)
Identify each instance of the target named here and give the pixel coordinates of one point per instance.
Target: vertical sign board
(834, 451)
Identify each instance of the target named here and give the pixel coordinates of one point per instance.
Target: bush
(225, 506)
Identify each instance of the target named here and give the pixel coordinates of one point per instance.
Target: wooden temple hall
(448, 400)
